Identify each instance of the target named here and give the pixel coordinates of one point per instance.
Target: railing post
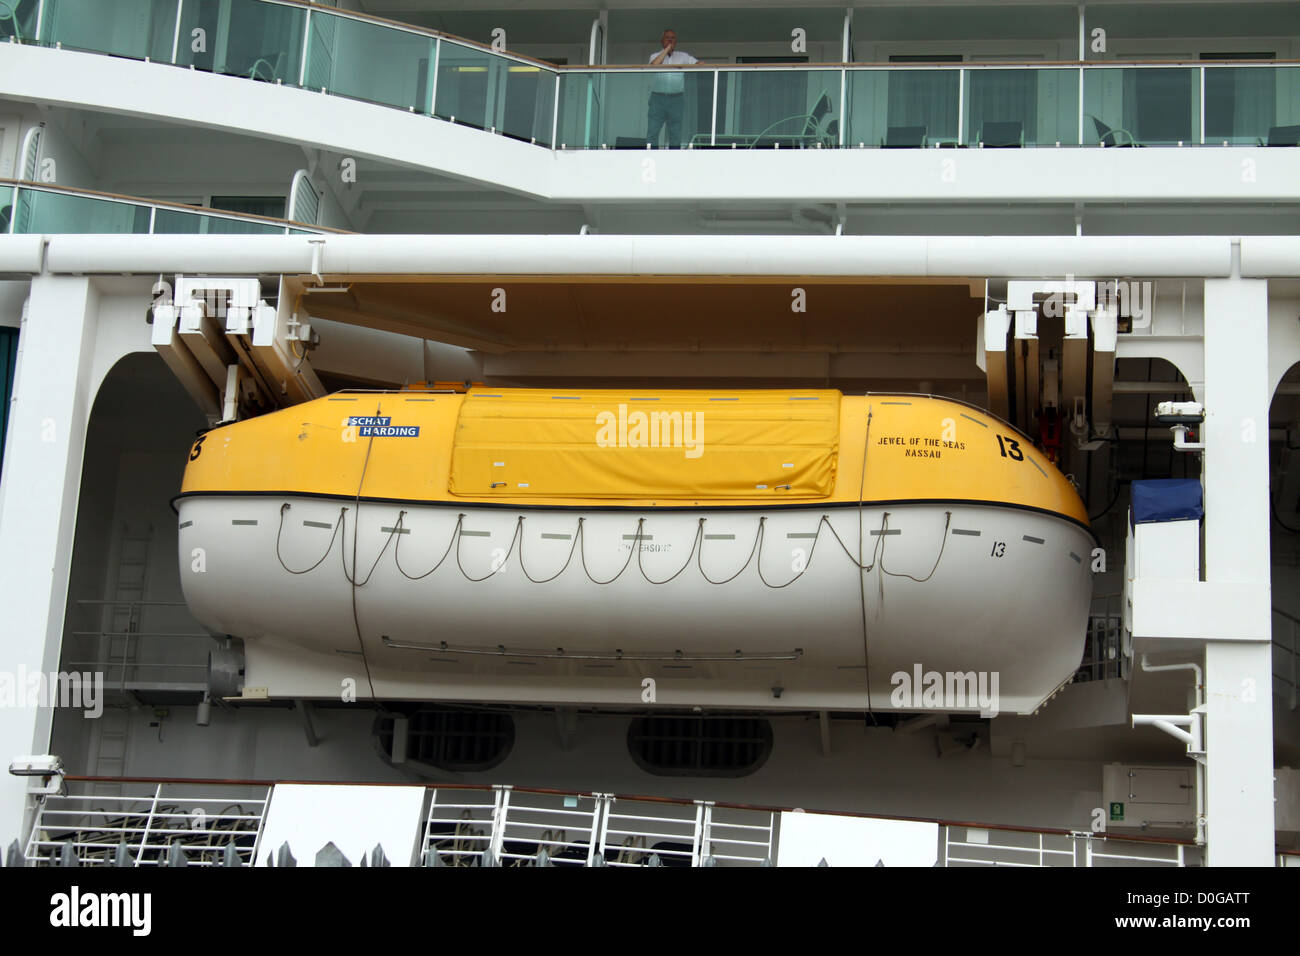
(844, 103)
(499, 814)
(1202, 105)
(493, 115)
(961, 106)
(153, 216)
(40, 20)
(596, 846)
(1080, 133)
(33, 838)
(433, 81)
(176, 34)
(148, 823)
(261, 826)
(306, 50)
(696, 841)
(713, 118)
(13, 215)
(555, 118)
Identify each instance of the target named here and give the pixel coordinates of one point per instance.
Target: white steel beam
(38, 507)
(1238, 674)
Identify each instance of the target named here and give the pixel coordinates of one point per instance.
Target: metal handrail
(510, 825)
(26, 185)
(642, 798)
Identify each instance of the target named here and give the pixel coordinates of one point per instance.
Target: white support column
(38, 509)
(1238, 673)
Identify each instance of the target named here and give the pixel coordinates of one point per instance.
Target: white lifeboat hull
(783, 608)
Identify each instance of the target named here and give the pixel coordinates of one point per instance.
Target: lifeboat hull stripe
(771, 506)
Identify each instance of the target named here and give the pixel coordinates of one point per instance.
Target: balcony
(42, 209)
(911, 105)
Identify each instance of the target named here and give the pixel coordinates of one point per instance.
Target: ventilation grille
(304, 203)
(700, 746)
(31, 156)
(454, 739)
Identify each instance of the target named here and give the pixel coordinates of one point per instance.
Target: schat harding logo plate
(381, 426)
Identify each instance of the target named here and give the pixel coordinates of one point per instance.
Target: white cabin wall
(332, 212)
(173, 166)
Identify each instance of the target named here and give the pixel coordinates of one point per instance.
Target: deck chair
(1002, 134)
(1115, 135)
(904, 137)
(268, 67)
(1283, 136)
(811, 134)
(9, 15)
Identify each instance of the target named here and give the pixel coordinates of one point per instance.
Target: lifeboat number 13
(1010, 448)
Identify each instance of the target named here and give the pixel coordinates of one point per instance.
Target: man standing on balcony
(667, 92)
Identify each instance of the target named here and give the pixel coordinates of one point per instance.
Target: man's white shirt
(672, 81)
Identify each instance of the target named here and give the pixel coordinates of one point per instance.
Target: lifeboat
(755, 549)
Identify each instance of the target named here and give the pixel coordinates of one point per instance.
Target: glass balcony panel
(6, 208)
(626, 109)
(55, 212)
(1022, 107)
(767, 109)
(127, 28)
(182, 222)
(903, 107)
(1141, 106)
(18, 20)
(527, 108)
(481, 89)
(249, 38)
(1252, 106)
(371, 62)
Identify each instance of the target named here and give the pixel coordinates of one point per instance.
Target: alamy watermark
(82, 908)
(78, 689)
(945, 690)
(638, 429)
(1129, 298)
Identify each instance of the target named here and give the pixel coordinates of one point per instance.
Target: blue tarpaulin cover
(1167, 499)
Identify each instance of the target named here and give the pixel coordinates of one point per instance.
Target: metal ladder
(119, 645)
(117, 651)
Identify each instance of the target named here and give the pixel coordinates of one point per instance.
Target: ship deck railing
(30, 207)
(132, 821)
(362, 57)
